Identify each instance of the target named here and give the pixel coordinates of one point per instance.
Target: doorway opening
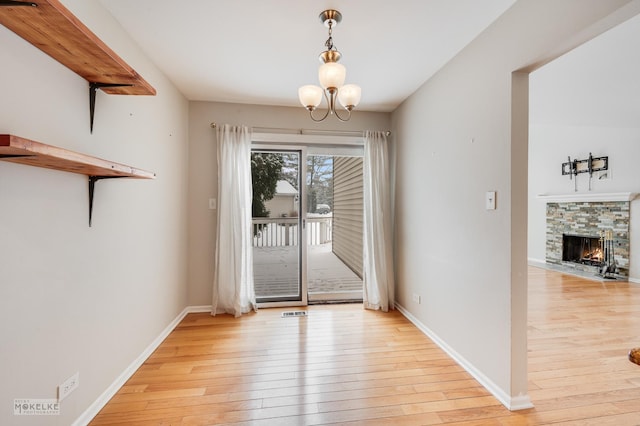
(307, 225)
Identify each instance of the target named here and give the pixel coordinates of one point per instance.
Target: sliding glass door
(276, 226)
(307, 224)
(334, 226)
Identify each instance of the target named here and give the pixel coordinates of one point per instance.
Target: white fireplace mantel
(590, 197)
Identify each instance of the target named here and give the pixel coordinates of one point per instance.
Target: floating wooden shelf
(24, 151)
(52, 28)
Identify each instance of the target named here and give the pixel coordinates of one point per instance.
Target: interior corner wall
(203, 171)
(453, 143)
(75, 298)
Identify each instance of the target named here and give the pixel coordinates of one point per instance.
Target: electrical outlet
(68, 386)
(416, 298)
(212, 204)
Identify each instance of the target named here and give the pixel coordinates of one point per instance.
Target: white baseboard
(102, 400)
(634, 280)
(198, 309)
(540, 263)
(520, 402)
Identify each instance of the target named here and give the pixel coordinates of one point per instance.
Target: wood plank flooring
(344, 365)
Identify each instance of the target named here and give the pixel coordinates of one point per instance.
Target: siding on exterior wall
(347, 211)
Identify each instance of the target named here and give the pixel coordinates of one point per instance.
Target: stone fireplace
(575, 224)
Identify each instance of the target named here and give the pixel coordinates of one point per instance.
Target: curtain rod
(307, 131)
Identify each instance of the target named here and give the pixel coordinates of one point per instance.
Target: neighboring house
(285, 202)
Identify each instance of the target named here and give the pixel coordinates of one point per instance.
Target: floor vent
(294, 314)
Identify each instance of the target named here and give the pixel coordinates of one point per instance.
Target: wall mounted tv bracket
(592, 164)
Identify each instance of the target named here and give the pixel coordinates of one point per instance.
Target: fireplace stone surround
(588, 215)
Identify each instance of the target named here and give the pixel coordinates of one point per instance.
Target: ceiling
(261, 51)
(595, 84)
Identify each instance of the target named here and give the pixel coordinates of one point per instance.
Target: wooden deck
(344, 365)
(276, 272)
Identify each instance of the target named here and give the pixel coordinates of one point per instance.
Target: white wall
(74, 298)
(203, 171)
(587, 101)
(462, 134)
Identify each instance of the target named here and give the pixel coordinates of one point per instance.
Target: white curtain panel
(233, 290)
(378, 292)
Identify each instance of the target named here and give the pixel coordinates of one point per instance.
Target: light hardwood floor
(345, 365)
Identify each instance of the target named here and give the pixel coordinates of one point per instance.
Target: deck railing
(283, 231)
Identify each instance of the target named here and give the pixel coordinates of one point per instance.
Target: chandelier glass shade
(332, 76)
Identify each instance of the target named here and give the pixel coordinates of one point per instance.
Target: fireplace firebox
(586, 250)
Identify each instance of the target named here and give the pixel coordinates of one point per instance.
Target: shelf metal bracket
(92, 187)
(12, 3)
(14, 156)
(93, 88)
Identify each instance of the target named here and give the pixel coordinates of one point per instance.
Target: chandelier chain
(329, 42)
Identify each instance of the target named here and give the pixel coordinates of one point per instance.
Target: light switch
(212, 204)
(491, 200)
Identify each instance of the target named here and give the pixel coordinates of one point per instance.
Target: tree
(319, 181)
(290, 168)
(265, 173)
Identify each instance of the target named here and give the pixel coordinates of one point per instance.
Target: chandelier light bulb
(332, 74)
(310, 96)
(349, 96)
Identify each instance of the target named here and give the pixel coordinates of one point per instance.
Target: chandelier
(331, 75)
